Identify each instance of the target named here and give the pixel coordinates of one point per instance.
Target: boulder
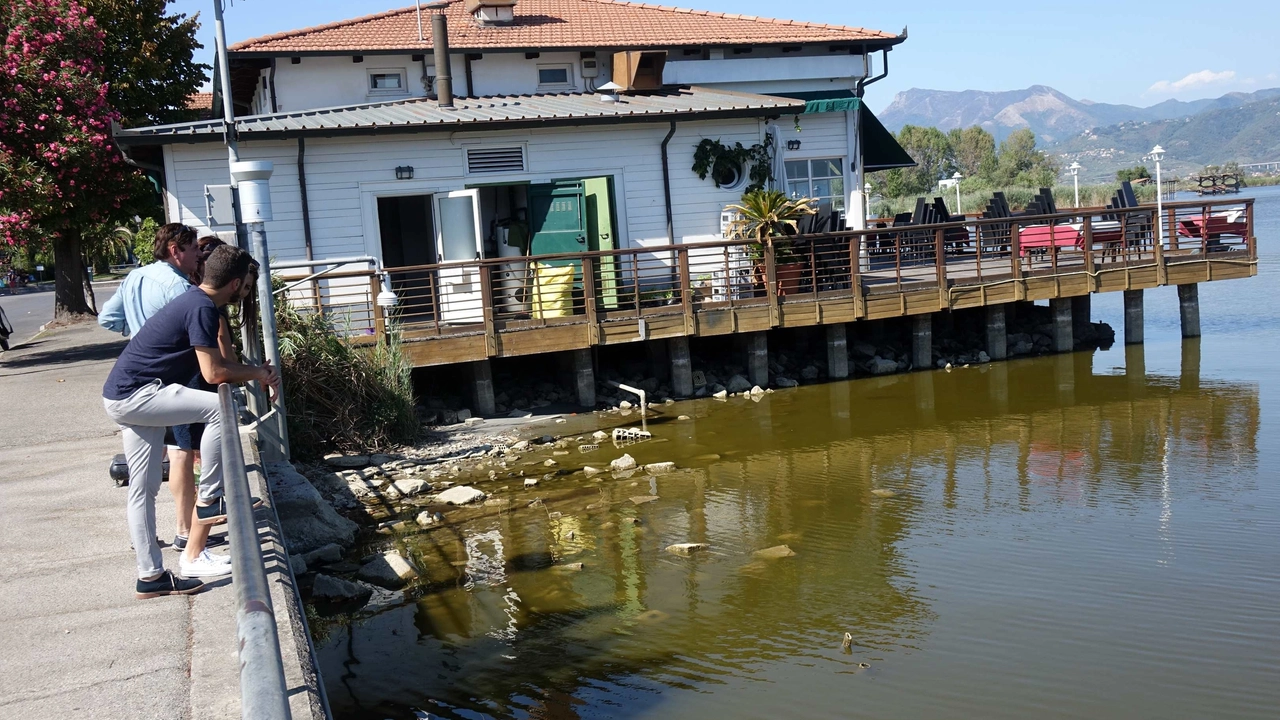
(297, 565)
(809, 372)
(460, 495)
(463, 415)
(983, 357)
(389, 570)
(307, 521)
(324, 555)
(720, 394)
(865, 349)
(590, 471)
(737, 384)
(881, 366)
(411, 486)
(686, 549)
(773, 553)
(785, 382)
(330, 484)
(327, 587)
(626, 462)
(427, 518)
(625, 405)
(346, 461)
(660, 468)
(757, 391)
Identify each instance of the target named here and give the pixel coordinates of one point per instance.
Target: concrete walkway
(77, 644)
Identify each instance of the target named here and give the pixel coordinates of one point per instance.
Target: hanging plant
(725, 164)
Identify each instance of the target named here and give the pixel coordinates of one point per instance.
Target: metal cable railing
(263, 694)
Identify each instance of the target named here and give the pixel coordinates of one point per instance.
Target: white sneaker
(225, 559)
(207, 565)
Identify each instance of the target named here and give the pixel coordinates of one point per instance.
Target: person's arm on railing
(217, 370)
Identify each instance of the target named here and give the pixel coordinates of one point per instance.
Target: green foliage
(340, 395)
(712, 157)
(1019, 162)
(140, 235)
(1137, 172)
(766, 214)
(973, 152)
(932, 151)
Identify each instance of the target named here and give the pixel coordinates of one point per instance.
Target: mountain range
(1052, 115)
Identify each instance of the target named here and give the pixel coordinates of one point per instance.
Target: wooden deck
(463, 312)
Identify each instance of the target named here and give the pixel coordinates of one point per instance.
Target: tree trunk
(70, 302)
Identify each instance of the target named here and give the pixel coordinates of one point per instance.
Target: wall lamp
(404, 172)
(793, 144)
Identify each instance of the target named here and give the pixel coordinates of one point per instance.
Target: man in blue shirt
(141, 295)
(148, 389)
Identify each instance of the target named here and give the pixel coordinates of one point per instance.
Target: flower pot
(789, 277)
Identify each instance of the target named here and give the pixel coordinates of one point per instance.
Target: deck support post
(482, 388)
(758, 359)
(1062, 324)
(1132, 317)
(837, 351)
(922, 341)
(1189, 309)
(584, 377)
(1189, 377)
(998, 386)
(997, 333)
(1081, 316)
(681, 367)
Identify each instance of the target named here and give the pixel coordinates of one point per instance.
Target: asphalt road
(28, 311)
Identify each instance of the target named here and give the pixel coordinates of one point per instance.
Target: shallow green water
(1086, 535)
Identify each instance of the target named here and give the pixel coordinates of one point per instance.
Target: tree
(974, 152)
(931, 150)
(1137, 172)
(1020, 163)
(61, 178)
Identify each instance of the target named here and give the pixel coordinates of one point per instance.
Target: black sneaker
(180, 542)
(167, 584)
(215, 513)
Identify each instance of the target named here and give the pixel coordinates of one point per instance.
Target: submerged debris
(686, 549)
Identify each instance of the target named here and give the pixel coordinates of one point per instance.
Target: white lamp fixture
(1075, 169)
(1157, 153)
(958, 177)
(609, 92)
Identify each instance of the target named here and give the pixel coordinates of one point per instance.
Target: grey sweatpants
(142, 418)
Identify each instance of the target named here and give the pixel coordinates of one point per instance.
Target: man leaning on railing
(148, 390)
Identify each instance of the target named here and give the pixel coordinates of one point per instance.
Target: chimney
(492, 12)
(440, 48)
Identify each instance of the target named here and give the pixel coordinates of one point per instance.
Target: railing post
(1087, 230)
(855, 275)
(771, 283)
(1250, 241)
(1015, 255)
(589, 298)
(1204, 230)
(379, 321)
(486, 302)
(940, 261)
(1162, 271)
(1172, 234)
(686, 289)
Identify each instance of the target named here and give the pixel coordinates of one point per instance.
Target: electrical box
(253, 178)
(219, 206)
(590, 68)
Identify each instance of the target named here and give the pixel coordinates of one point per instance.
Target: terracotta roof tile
(200, 101)
(557, 23)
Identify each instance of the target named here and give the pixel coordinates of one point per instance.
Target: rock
(460, 495)
(411, 486)
(809, 372)
(865, 349)
(785, 382)
(983, 357)
(881, 366)
(683, 417)
(625, 405)
(330, 484)
(778, 551)
(737, 384)
(473, 421)
(389, 570)
(549, 463)
(626, 462)
(942, 363)
(571, 567)
(686, 549)
(346, 461)
(720, 395)
(631, 521)
(497, 502)
(427, 518)
(520, 446)
(699, 378)
(327, 587)
(463, 415)
(661, 468)
(642, 499)
(757, 391)
(590, 471)
(382, 458)
(883, 493)
(307, 520)
(599, 436)
(324, 555)
(531, 482)
(297, 565)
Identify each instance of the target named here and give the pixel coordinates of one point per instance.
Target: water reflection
(866, 481)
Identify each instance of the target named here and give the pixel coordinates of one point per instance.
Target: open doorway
(407, 229)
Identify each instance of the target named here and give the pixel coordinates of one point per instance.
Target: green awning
(880, 149)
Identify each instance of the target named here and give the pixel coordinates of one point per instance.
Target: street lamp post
(1075, 179)
(958, 177)
(1157, 153)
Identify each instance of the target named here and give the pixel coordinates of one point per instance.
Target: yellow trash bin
(552, 290)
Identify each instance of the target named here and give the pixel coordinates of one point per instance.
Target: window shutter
(493, 160)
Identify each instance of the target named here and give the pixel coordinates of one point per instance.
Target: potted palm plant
(767, 217)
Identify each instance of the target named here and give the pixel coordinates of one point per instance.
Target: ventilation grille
(492, 160)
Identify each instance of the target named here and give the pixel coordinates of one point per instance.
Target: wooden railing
(719, 287)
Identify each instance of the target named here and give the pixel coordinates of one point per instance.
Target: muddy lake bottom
(1094, 534)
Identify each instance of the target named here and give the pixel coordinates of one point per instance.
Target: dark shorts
(184, 437)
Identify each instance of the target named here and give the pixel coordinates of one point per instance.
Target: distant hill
(1052, 115)
(1246, 133)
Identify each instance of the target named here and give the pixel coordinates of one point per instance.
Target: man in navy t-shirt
(148, 390)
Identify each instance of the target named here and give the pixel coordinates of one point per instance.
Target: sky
(1135, 52)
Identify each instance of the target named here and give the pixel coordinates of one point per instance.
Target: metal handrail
(263, 694)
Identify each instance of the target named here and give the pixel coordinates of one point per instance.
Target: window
(821, 179)
(555, 77)
(387, 82)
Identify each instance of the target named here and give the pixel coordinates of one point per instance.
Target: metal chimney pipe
(440, 48)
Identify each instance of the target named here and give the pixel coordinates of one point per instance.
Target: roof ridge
(326, 26)
(735, 16)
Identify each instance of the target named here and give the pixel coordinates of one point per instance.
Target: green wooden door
(600, 236)
(557, 219)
